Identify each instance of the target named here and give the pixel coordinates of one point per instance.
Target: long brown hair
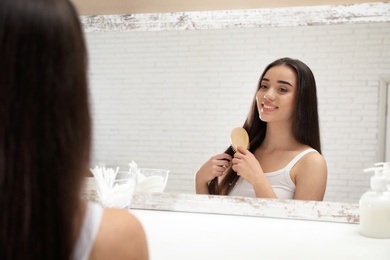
(305, 125)
(44, 127)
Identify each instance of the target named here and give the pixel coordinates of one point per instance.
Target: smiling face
(276, 95)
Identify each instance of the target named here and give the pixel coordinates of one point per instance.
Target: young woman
(284, 159)
(45, 138)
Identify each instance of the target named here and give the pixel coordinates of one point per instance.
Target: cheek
(291, 106)
(290, 99)
(259, 98)
(292, 102)
(258, 103)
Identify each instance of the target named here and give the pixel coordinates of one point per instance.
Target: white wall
(169, 99)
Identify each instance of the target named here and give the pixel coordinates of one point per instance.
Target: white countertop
(181, 235)
(189, 226)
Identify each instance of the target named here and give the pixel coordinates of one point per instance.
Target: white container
(116, 190)
(151, 180)
(386, 172)
(374, 208)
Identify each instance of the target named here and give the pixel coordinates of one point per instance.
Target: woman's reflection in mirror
(284, 159)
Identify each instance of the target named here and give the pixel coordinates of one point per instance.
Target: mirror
(168, 88)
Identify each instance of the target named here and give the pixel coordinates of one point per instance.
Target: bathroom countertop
(190, 226)
(181, 235)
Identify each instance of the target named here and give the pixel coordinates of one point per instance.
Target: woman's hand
(247, 166)
(216, 166)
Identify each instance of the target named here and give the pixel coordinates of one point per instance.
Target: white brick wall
(169, 99)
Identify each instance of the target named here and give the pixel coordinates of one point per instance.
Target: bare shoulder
(120, 236)
(310, 177)
(310, 163)
(313, 159)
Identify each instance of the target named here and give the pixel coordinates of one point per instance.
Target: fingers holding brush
(246, 165)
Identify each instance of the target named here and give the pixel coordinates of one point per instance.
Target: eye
(263, 87)
(283, 90)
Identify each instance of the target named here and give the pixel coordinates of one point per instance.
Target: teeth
(268, 107)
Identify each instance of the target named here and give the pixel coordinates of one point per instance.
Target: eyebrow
(279, 81)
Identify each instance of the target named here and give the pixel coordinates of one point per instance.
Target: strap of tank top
(298, 157)
(88, 232)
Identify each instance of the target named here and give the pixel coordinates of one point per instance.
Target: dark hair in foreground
(305, 126)
(45, 127)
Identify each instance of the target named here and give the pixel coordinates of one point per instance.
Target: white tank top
(88, 232)
(279, 180)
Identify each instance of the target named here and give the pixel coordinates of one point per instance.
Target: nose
(269, 95)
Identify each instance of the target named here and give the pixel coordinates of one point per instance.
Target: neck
(279, 136)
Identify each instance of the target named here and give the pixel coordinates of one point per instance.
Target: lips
(268, 106)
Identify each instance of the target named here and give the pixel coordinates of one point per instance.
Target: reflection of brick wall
(169, 99)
